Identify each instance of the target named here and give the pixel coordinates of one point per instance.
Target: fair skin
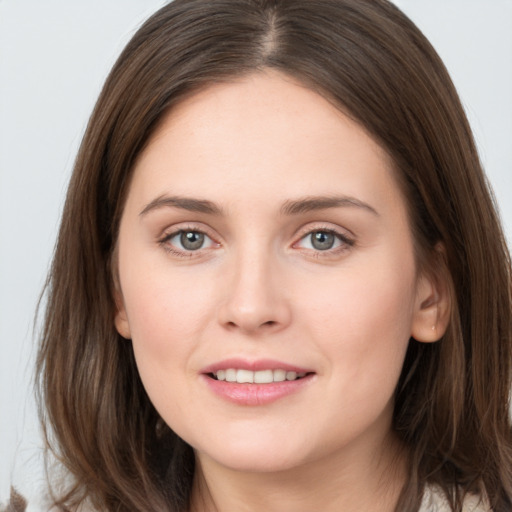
(264, 228)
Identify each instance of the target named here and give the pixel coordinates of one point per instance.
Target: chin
(257, 463)
(254, 456)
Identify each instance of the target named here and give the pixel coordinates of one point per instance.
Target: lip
(257, 365)
(255, 394)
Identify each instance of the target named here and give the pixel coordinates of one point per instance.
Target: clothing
(434, 500)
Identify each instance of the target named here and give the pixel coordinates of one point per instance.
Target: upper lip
(255, 365)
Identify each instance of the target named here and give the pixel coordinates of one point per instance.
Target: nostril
(269, 323)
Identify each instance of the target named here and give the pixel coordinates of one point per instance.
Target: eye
(191, 240)
(323, 240)
(188, 240)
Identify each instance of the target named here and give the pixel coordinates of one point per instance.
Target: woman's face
(264, 237)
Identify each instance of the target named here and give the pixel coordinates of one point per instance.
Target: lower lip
(256, 394)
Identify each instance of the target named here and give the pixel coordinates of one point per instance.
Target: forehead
(266, 132)
(245, 103)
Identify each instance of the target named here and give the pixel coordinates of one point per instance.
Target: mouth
(246, 382)
(269, 376)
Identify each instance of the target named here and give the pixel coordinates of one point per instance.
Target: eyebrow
(313, 203)
(290, 207)
(185, 203)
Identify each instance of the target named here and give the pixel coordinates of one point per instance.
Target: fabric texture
(434, 500)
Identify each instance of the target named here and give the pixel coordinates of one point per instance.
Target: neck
(342, 481)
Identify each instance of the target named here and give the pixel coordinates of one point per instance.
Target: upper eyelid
(337, 230)
(172, 234)
(171, 231)
(342, 238)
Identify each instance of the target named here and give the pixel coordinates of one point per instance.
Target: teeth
(291, 375)
(243, 376)
(263, 377)
(231, 375)
(279, 375)
(259, 377)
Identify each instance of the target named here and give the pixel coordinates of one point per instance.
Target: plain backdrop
(54, 56)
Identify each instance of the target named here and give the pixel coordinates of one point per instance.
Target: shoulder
(434, 500)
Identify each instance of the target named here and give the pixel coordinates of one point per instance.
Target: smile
(243, 376)
(256, 383)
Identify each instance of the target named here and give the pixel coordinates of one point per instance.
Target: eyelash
(164, 241)
(346, 242)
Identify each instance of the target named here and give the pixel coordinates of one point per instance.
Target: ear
(121, 318)
(433, 301)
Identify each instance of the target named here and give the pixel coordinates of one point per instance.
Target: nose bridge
(254, 297)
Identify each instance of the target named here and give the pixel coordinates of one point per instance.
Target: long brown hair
(451, 406)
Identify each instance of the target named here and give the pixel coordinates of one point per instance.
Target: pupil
(192, 240)
(322, 240)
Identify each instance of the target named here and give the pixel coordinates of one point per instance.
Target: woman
(280, 281)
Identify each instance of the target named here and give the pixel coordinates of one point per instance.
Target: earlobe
(121, 319)
(432, 306)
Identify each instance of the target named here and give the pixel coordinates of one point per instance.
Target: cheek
(363, 320)
(166, 317)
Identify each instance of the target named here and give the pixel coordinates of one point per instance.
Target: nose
(255, 296)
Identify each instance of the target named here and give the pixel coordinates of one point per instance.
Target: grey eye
(191, 240)
(322, 240)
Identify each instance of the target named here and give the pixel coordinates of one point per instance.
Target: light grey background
(54, 56)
